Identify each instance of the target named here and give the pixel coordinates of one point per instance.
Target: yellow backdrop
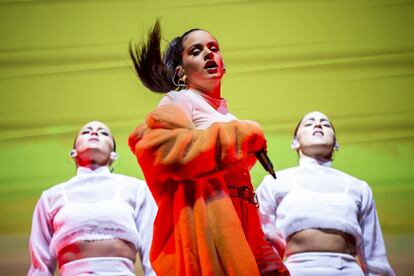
(63, 63)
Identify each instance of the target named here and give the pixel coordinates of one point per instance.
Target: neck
(91, 164)
(320, 159)
(215, 92)
(212, 98)
(211, 89)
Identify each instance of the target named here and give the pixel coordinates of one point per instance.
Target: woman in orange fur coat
(196, 157)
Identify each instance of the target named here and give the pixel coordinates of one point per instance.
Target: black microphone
(265, 161)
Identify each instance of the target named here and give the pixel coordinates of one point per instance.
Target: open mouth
(211, 65)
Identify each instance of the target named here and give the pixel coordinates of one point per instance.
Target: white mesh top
(93, 205)
(315, 195)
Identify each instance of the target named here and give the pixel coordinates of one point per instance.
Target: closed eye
(195, 52)
(214, 48)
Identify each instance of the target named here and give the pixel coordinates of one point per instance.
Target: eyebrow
(192, 46)
(99, 128)
(313, 119)
(212, 42)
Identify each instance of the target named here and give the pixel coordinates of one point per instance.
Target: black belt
(245, 193)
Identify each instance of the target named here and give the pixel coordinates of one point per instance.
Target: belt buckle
(249, 195)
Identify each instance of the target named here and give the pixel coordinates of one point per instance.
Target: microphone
(265, 161)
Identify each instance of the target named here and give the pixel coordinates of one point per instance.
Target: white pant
(99, 266)
(323, 263)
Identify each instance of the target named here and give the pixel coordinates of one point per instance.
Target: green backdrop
(63, 63)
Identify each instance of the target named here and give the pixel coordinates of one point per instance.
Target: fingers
(238, 140)
(136, 135)
(228, 144)
(254, 137)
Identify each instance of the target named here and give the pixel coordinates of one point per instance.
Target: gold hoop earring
(182, 81)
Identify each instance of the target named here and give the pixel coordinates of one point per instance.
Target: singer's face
(202, 60)
(315, 135)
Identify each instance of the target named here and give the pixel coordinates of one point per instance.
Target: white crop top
(199, 108)
(315, 195)
(93, 205)
(302, 209)
(106, 218)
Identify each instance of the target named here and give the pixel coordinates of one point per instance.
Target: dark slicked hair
(155, 69)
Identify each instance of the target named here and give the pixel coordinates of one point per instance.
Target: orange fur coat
(197, 230)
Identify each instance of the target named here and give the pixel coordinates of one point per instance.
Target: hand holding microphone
(238, 138)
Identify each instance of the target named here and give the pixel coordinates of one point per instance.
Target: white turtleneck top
(199, 108)
(93, 205)
(315, 195)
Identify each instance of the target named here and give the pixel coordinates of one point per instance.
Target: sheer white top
(93, 205)
(199, 108)
(315, 195)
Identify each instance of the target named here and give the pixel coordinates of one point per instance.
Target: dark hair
(156, 70)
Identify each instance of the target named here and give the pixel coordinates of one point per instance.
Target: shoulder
(139, 193)
(57, 188)
(183, 98)
(53, 195)
(130, 180)
(282, 181)
(350, 178)
(176, 97)
(357, 184)
(286, 173)
(134, 185)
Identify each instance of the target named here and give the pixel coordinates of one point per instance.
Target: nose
(318, 124)
(94, 132)
(208, 54)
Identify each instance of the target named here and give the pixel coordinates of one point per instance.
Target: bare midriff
(96, 248)
(320, 240)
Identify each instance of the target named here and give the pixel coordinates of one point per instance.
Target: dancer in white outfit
(97, 222)
(326, 216)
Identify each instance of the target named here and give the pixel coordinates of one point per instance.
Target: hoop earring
(182, 82)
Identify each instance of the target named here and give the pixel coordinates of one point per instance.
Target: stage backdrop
(63, 63)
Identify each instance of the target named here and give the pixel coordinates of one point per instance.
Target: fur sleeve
(168, 145)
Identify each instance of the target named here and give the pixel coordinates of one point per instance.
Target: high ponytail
(149, 64)
(155, 70)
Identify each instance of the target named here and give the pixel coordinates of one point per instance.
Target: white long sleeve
(372, 251)
(43, 259)
(92, 205)
(145, 213)
(358, 216)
